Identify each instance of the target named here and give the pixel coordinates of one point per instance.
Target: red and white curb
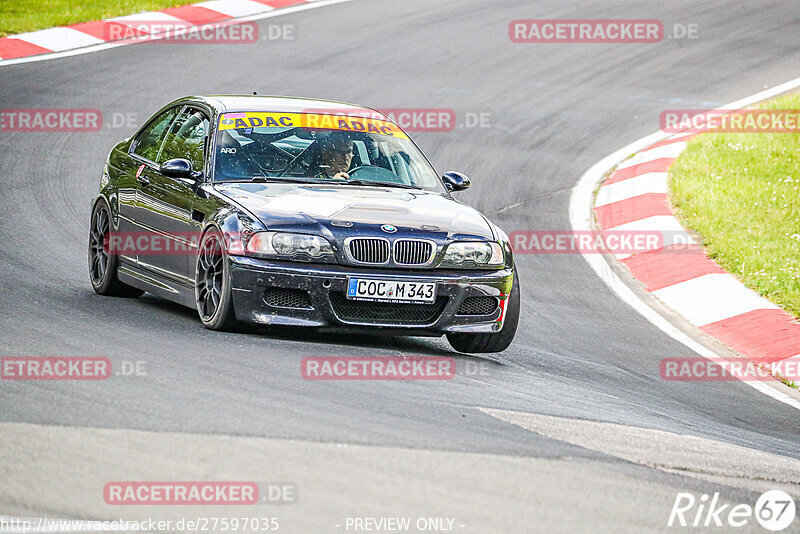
(634, 198)
(92, 34)
(681, 276)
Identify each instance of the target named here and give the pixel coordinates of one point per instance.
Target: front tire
(103, 265)
(213, 283)
(499, 341)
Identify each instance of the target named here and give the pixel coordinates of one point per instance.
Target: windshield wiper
(378, 183)
(319, 181)
(271, 179)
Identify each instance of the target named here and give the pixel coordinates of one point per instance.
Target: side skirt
(157, 285)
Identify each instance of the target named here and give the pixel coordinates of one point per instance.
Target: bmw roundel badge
(388, 228)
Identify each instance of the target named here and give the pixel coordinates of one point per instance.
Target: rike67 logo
(774, 510)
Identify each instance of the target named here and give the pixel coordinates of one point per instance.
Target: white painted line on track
(672, 233)
(652, 182)
(147, 19)
(235, 8)
(722, 297)
(671, 150)
(686, 454)
(58, 39)
(580, 213)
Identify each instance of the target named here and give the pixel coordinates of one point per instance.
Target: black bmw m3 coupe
(295, 212)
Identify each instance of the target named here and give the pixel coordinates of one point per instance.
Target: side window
(186, 138)
(149, 140)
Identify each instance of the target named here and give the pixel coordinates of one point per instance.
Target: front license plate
(390, 290)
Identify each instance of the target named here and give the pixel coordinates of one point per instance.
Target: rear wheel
(103, 264)
(213, 283)
(498, 341)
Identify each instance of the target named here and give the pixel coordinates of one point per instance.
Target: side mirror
(179, 168)
(455, 181)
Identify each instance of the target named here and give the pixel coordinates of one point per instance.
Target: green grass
(741, 193)
(18, 16)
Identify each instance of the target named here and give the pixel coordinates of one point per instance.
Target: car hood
(309, 208)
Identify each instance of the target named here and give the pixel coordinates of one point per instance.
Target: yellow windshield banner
(345, 123)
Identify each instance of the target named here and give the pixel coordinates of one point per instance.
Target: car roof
(285, 104)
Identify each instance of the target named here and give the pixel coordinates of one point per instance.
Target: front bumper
(325, 307)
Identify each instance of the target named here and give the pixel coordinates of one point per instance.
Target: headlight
(473, 254)
(295, 247)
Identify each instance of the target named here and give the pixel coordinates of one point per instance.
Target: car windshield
(306, 147)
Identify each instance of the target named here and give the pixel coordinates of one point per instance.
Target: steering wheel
(374, 173)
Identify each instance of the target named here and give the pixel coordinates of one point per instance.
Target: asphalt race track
(572, 429)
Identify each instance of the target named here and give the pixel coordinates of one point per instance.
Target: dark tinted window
(149, 140)
(250, 144)
(186, 138)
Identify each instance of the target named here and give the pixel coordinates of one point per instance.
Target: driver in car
(335, 157)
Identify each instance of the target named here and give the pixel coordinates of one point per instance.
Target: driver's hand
(340, 176)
